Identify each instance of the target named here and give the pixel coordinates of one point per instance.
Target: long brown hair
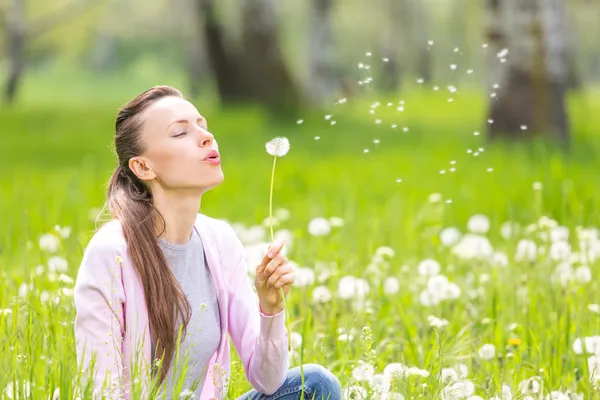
(130, 201)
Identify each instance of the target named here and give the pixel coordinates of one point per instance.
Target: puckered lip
(212, 154)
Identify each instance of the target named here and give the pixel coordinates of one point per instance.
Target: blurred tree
(268, 77)
(394, 40)
(530, 65)
(322, 74)
(19, 31)
(225, 63)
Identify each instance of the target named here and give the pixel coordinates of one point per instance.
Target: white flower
(321, 294)
(506, 392)
(560, 251)
(559, 234)
(363, 372)
(462, 369)
(450, 236)
(526, 250)
(583, 274)
(350, 287)
(49, 242)
(509, 229)
(380, 384)
(57, 264)
(499, 259)
(473, 246)
(278, 146)
(385, 251)
(319, 227)
(478, 223)
(395, 371)
(592, 344)
(487, 351)
(437, 284)
(64, 232)
(530, 385)
(436, 322)
(56, 394)
(414, 371)
(391, 285)
(428, 298)
(429, 267)
(304, 277)
(461, 389)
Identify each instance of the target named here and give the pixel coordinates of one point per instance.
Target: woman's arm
(260, 339)
(99, 323)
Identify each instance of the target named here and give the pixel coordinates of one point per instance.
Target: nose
(205, 138)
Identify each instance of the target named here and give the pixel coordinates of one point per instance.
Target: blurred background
(405, 117)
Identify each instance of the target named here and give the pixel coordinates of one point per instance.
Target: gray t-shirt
(188, 263)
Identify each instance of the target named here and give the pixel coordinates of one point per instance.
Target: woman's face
(180, 153)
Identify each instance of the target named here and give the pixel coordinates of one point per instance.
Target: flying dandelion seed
(476, 133)
(493, 95)
(436, 88)
(398, 180)
(368, 54)
(523, 127)
(469, 71)
(300, 121)
(328, 117)
(361, 65)
(420, 80)
(448, 201)
(442, 172)
(485, 45)
(377, 121)
(452, 89)
(400, 108)
(502, 53)
(376, 141)
(405, 129)
(452, 169)
(453, 67)
(469, 151)
(371, 111)
(390, 104)
(342, 101)
(394, 126)
(385, 59)
(456, 50)
(333, 122)
(475, 154)
(491, 121)
(481, 149)
(452, 162)
(450, 100)
(490, 169)
(430, 42)
(317, 137)
(365, 151)
(496, 86)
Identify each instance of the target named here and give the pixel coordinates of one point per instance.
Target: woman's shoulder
(108, 237)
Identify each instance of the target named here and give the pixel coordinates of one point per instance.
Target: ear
(141, 168)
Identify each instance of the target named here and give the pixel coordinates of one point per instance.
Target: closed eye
(180, 134)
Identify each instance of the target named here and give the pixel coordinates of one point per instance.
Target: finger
(286, 279)
(272, 251)
(278, 260)
(279, 272)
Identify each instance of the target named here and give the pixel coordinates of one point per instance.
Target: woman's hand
(272, 274)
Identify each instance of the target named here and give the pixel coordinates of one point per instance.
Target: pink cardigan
(112, 318)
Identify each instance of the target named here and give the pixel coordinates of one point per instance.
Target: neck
(179, 212)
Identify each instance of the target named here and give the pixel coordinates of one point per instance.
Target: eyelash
(180, 134)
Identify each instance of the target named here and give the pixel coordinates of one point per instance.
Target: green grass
(55, 160)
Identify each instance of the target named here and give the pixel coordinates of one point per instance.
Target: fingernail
(270, 255)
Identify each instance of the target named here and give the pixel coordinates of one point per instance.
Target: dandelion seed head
(278, 146)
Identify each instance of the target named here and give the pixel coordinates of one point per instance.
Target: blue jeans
(319, 384)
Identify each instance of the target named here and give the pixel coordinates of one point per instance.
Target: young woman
(159, 273)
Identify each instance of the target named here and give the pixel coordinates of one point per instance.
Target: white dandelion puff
(278, 147)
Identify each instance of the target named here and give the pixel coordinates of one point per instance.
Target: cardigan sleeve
(99, 323)
(260, 340)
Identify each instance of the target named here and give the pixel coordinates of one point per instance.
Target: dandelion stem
(272, 240)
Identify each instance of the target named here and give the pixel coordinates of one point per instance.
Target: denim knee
(322, 384)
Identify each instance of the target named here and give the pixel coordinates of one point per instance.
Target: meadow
(433, 265)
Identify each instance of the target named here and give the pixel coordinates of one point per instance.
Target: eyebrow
(185, 121)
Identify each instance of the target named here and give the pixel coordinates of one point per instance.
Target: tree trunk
(322, 76)
(394, 44)
(15, 49)
(530, 99)
(269, 79)
(224, 63)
